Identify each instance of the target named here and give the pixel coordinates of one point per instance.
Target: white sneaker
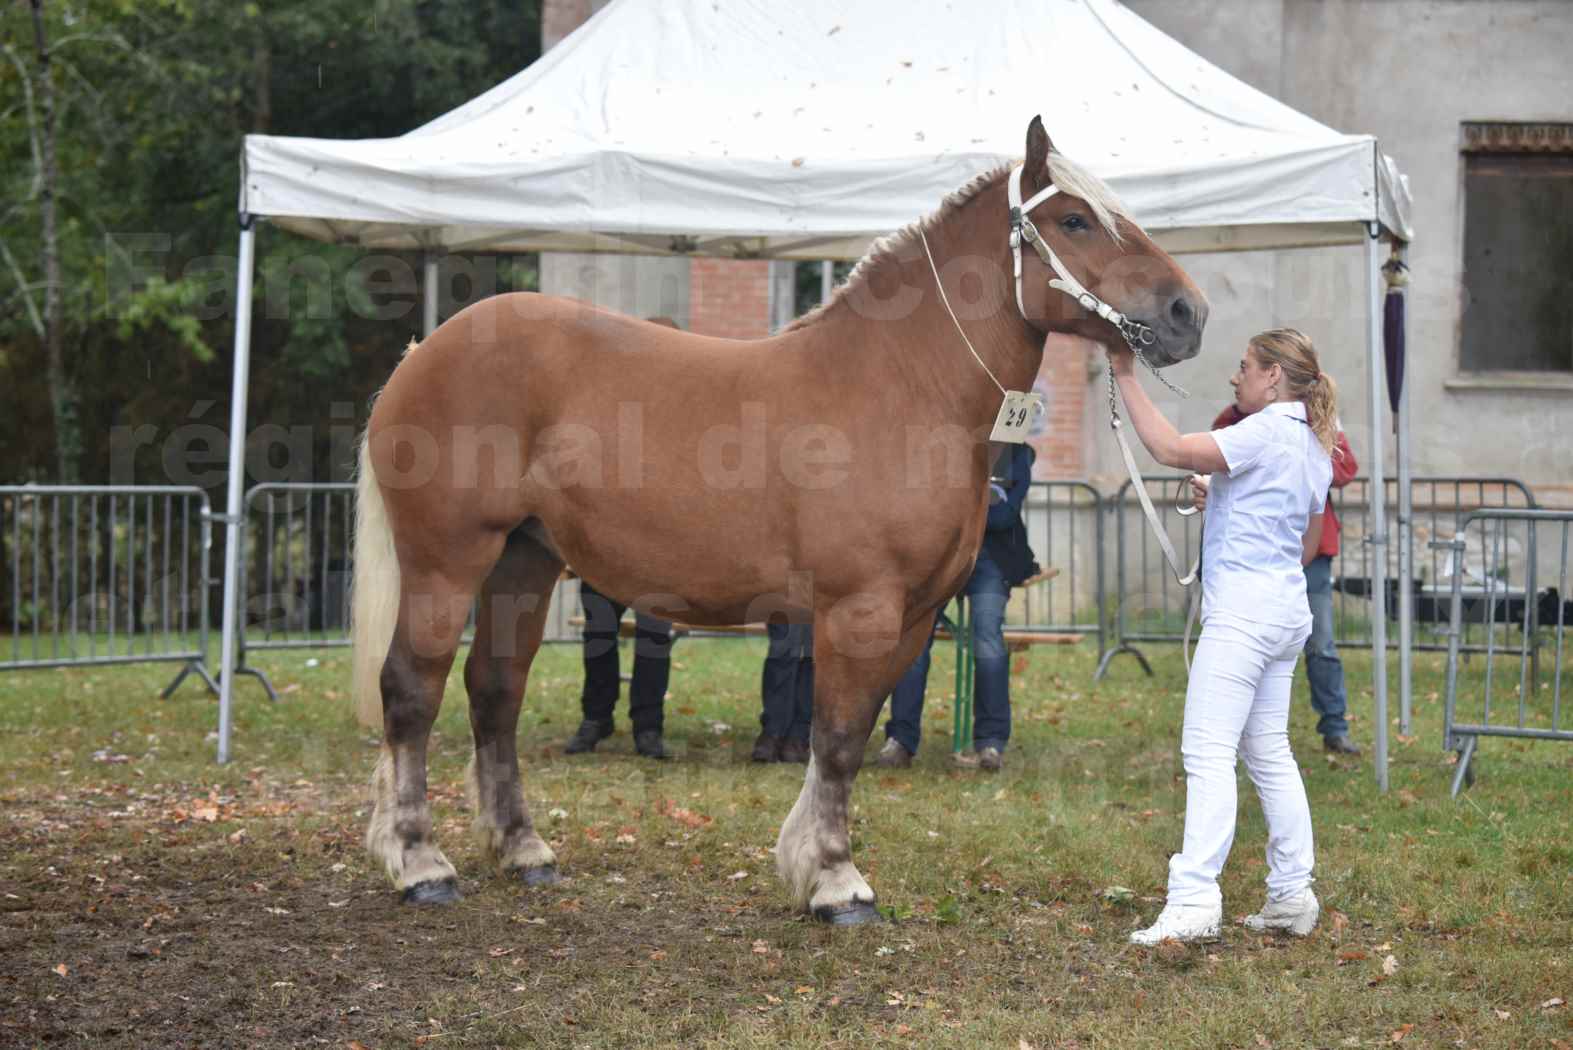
(1296, 915)
(1185, 923)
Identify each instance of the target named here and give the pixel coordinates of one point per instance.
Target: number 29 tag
(1017, 414)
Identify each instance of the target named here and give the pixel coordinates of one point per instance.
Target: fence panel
(1517, 598)
(1438, 507)
(297, 572)
(1150, 605)
(1065, 524)
(105, 574)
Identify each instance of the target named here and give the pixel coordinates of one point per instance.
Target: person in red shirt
(1322, 666)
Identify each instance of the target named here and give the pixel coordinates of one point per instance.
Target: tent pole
(233, 533)
(429, 294)
(1406, 550)
(1378, 537)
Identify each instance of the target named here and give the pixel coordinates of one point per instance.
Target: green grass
(675, 932)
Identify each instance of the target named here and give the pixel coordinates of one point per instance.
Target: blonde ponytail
(1291, 350)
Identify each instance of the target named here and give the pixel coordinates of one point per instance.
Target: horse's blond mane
(1072, 179)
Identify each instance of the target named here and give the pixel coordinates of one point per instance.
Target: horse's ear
(1036, 159)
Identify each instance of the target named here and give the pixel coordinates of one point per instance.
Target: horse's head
(1098, 246)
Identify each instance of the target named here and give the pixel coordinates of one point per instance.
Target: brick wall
(729, 298)
(1063, 382)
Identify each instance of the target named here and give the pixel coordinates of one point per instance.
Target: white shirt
(1256, 515)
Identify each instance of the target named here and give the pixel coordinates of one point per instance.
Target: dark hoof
(853, 913)
(433, 891)
(545, 875)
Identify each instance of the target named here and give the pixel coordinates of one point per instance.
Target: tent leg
(1378, 537)
(237, 479)
(429, 294)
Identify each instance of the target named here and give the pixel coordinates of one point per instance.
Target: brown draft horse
(836, 471)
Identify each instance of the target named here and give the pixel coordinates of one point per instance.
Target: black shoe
(894, 755)
(649, 744)
(589, 733)
(794, 750)
(767, 748)
(1340, 745)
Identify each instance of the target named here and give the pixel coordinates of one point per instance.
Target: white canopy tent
(804, 131)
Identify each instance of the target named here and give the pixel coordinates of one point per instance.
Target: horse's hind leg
(508, 629)
(434, 604)
(857, 659)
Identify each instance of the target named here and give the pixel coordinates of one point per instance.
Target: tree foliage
(152, 100)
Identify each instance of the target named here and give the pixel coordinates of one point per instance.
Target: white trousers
(1238, 702)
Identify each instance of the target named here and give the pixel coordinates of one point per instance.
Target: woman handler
(1270, 475)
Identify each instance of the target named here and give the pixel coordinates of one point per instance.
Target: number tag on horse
(1017, 414)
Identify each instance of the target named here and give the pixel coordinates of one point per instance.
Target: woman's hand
(1199, 483)
(1122, 362)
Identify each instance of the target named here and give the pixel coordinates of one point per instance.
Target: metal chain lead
(1138, 335)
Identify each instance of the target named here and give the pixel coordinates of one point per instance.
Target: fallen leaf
(1390, 966)
(1552, 1004)
(657, 955)
(772, 1000)
(761, 948)
(1351, 956)
(62, 969)
(498, 953)
(1502, 1015)
(1403, 1030)
(237, 836)
(803, 989)
(689, 818)
(737, 875)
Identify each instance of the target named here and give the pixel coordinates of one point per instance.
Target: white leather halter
(1022, 229)
(1136, 335)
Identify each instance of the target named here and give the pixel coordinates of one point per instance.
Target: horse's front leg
(858, 655)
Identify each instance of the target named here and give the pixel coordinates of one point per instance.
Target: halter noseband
(1136, 334)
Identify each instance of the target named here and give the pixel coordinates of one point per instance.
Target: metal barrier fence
(1438, 508)
(297, 568)
(1065, 523)
(105, 574)
(1507, 601)
(1150, 606)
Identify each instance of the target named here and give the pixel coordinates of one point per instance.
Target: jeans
(786, 684)
(1238, 701)
(987, 593)
(1322, 666)
(602, 678)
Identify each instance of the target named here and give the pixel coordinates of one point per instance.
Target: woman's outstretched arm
(1198, 453)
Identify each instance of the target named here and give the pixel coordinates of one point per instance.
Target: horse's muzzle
(1178, 325)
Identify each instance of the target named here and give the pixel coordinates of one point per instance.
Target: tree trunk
(62, 396)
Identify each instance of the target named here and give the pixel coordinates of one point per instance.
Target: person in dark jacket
(786, 690)
(603, 678)
(1004, 561)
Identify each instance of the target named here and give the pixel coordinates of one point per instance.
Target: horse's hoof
(433, 891)
(545, 875)
(852, 913)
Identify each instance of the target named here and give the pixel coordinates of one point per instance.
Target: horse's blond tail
(374, 601)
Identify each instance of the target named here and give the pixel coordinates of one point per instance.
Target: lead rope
(1192, 604)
